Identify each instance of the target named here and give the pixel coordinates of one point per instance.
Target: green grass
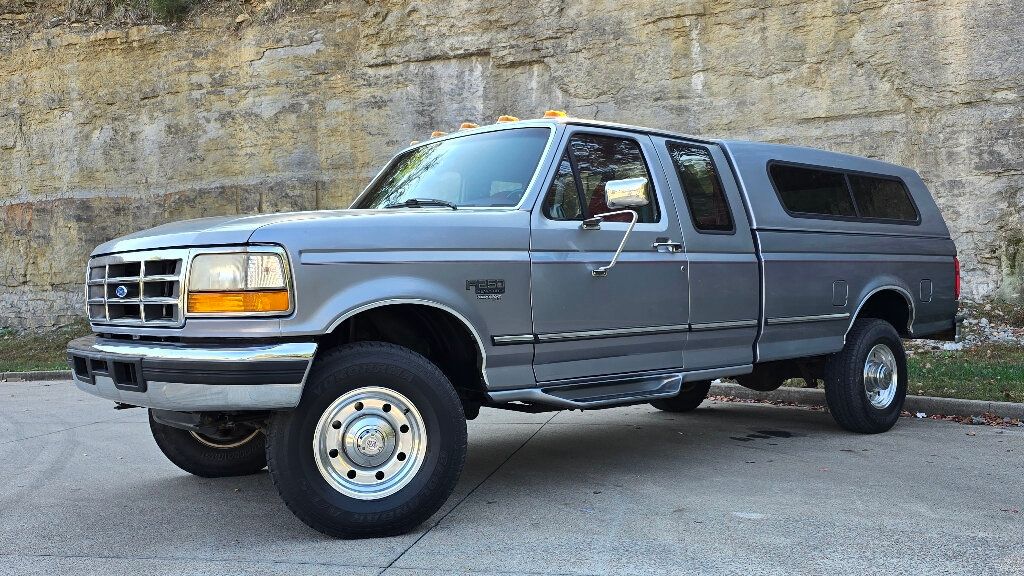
(991, 372)
(43, 351)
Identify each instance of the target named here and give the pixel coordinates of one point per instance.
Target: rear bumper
(192, 378)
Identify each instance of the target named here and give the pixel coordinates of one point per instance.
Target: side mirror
(626, 193)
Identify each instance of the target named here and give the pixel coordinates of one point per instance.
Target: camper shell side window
(829, 193)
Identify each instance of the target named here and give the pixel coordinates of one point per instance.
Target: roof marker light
(555, 114)
(414, 142)
(437, 133)
(506, 118)
(468, 126)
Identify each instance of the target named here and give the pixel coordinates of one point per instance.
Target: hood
(214, 231)
(415, 229)
(329, 234)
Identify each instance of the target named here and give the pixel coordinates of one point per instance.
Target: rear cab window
(702, 187)
(817, 192)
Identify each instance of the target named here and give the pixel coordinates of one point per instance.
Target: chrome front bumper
(192, 378)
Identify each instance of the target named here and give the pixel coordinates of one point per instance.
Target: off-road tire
(190, 454)
(689, 398)
(844, 378)
(293, 463)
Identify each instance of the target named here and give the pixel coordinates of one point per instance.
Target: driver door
(633, 319)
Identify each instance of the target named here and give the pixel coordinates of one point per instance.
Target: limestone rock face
(107, 131)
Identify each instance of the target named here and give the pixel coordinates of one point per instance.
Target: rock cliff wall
(107, 130)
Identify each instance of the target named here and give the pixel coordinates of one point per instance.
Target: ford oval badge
(121, 291)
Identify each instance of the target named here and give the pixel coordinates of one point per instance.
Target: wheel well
(432, 332)
(888, 305)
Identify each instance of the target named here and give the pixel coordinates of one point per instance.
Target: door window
(590, 161)
(563, 200)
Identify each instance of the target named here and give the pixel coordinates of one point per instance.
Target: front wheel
(231, 451)
(866, 381)
(376, 445)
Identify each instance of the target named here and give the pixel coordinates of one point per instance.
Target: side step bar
(605, 392)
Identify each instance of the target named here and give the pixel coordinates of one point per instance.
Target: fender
(863, 300)
(353, 310)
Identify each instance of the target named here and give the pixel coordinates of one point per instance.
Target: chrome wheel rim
(881, 376)
(225, 443)
(369, 443)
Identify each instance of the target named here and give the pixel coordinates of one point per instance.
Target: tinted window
(563, 200)
(703, 190)
(488, 169)
(812, 191)
(882, 198)
(598, 160)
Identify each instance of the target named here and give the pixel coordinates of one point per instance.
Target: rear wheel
(689, 398)
(230, 451)
(866, 381)
(376, 445)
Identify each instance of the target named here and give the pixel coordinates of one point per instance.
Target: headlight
(238, 283)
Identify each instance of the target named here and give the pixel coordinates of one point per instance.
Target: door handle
(667, 244)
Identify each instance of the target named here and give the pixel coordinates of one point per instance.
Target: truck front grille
(137, 288)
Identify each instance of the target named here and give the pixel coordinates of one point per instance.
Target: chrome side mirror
(620, 196)
(626, 193)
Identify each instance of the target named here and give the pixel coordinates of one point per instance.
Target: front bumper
(192, 378)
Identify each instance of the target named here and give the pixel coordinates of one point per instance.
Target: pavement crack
(62, 430)
(161, 558)
(470, 493)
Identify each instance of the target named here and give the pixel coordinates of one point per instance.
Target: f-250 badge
(487, 289)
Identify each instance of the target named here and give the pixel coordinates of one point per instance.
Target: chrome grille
(137, 288)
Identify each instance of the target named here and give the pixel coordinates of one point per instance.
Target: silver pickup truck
(534, 265)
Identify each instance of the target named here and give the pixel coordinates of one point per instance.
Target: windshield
(488, 169)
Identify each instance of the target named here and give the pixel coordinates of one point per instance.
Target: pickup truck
(535, 265)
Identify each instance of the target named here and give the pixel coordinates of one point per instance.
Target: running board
(604, 393)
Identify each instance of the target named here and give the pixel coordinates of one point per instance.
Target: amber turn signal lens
(236, 302)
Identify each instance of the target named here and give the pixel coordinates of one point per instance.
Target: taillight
(956, 282)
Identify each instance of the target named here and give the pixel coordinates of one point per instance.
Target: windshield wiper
(419, 202)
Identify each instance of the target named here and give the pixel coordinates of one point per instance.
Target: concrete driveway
(730, 489)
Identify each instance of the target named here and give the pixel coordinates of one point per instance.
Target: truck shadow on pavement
(572, 455)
